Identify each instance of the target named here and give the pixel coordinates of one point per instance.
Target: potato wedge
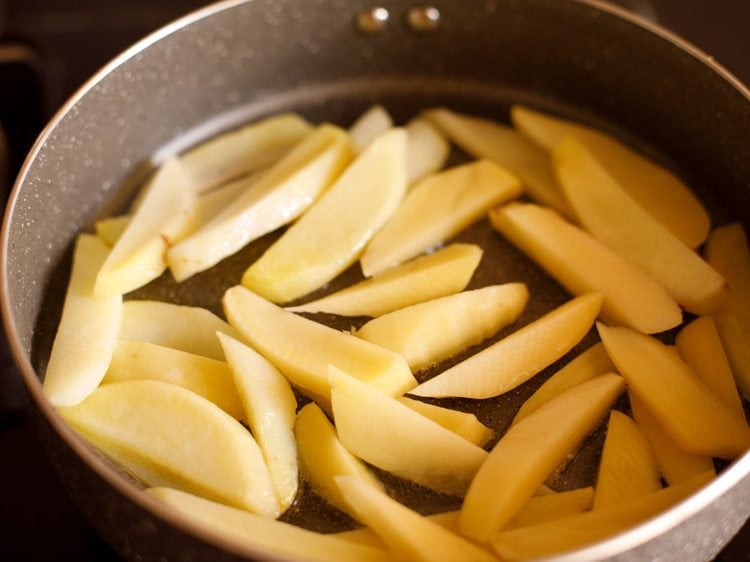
(583, 264)
(461, 423)
(628, 467)
(187, 328)
(210, 378)
(393, 437)
(465, 319)
(368, 126)
(576, 531)
(181, 435)
(606, 210)
(406, 532)
(540, 509)
(244, 150)
(427, 150)
(698, 420)
(437, 209)
(445, 272)
(335, 230)
(656, 189)
(516, 358)
(530, 451)
(675, 464)
(728, 253)
(271, 411)
(282, 194)
(483, 138)
(700, 347)
(322, 457)
(259, 534)
(111, 228)
(87, 334)
(589, 364)
(302, 349)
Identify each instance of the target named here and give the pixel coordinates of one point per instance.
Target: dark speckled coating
(240, 60)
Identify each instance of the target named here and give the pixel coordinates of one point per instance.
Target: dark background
(50, 47)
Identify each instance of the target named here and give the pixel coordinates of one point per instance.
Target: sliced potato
(518, 357)
(161, 220)
(675, 464)
(210, 378)
(698, 420)
(552, 506)
(271, 410)
(282, 194)
(530, 451)
(111, 228)
(260, 535)
(393, 437)
(87, 334)
(461, 423)
(437, 209)
(606, 210)
(628, 467)
(728, 253)
(181, 435)
(483, 138)
(334, 231)
(655, 188)
(700, 347)
(188, 328)
(582, 264)
(302, 349)
(406, 532)
(592, 362)
(244, 150)
(372, 123)
(568, 533)
(322, 457)
(445, 272)
(465, 319)
(427, 150)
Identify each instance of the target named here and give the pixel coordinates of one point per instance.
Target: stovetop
(47, 49)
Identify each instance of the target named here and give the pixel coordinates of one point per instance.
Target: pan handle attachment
(420, 19)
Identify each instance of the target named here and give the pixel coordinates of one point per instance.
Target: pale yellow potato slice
(271, 410)
(483, 138)
(182, 435)
(675, 464)
(261, 535)
(302, 349)
(528, 453)
(444, 272)
(448, 520)
(111, 228)
(628, 467)
(440, 207)
(393, 437)
(368, 126)
(592, 362)
(576, 531)
(516, 358)
(461, 423)
(540, 509)
(281, 195)
(188, 328)
(164, 216)
(244, 150)
(409, 535)
(696, 418)
(332, 234)
(728, 253)
(464, 319)
(427, 149)
(210, 378)
(655, 188)
(322, 457)
(700, 347)
(581, 264)
(87, 333)
(606, 210)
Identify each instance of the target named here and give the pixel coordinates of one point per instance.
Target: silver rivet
(373, 20)
(423, 18)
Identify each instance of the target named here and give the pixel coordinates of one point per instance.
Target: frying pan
(330, 59)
